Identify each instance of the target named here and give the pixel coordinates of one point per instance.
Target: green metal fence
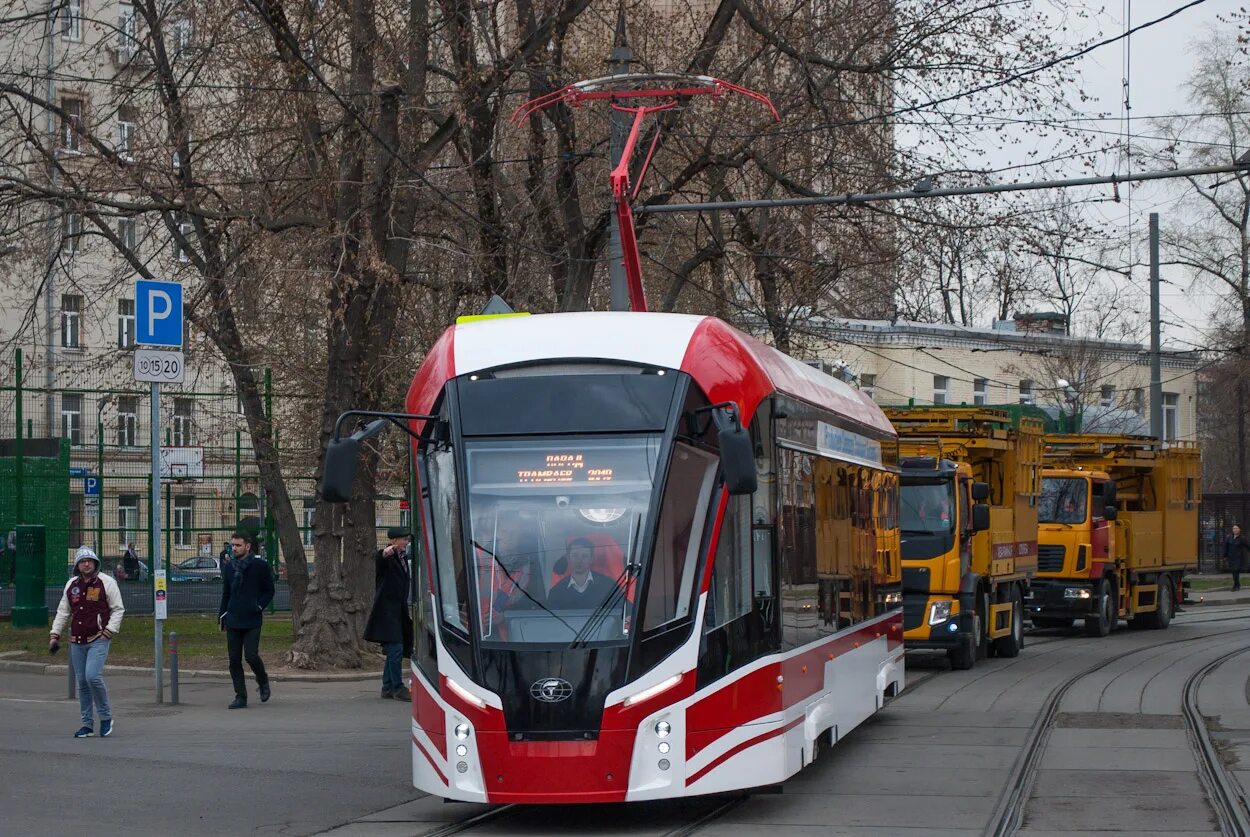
(95, 489)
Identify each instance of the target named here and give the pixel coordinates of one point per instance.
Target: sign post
(158, 321)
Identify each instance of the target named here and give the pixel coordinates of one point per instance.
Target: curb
(1210, 602)
(199, 674)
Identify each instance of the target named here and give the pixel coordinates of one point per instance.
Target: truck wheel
(1161, 616)
(1100, 623)
(963, 657)
(1052, 622)
(1010, 645)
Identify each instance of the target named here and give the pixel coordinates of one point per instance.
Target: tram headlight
(893, 598)
(462, 731)
(663, 728)
(664, 747)
(940, 613)
(1076, 593)
(664, 765)
(462, 750)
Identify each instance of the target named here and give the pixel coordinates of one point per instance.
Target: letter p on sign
(158, 313)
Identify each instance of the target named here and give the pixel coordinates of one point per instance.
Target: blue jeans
(392, 677)
(88, 662)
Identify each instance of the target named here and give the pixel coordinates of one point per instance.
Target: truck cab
(939, 512)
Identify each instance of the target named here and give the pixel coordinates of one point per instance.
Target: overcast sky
(1160, 58)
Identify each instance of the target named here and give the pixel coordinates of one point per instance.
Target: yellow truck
(969, 489)
(1118, 529)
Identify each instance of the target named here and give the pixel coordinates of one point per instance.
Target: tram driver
(583, 589)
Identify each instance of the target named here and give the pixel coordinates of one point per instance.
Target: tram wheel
(1010, 645)
(1100, 624)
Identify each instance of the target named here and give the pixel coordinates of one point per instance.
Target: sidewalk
(1219, 597)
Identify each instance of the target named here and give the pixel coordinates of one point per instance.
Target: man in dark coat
(390, 621)
(246, 589)
(1236, 550)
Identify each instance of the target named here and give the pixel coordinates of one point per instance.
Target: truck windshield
(925, 507)
(554, 527)
(1063, 500)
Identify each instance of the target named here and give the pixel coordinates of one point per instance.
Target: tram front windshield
(555, 528)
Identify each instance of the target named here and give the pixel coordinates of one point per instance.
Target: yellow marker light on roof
(473, 318)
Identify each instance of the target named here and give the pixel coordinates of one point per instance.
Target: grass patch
(201, 645)
(1209, 585)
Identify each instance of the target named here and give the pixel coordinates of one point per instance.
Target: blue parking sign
(90, 486)
(158, 313)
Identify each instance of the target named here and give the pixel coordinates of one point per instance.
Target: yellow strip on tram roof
(474, 318)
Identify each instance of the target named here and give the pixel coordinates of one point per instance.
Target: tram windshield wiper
(519, 586)
(628, 572)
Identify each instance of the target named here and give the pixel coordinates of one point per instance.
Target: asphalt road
(1108, 752)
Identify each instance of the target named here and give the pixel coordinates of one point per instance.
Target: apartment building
(1026, 361)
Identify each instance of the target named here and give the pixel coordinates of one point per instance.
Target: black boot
(239, 703)
(264, 692)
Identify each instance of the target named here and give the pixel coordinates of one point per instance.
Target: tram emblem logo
(551, 690)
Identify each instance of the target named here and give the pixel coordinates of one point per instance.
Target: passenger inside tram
(582, 588)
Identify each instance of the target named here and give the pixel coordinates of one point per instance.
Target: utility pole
(55, 220)
(1156, 376)
(618, 64)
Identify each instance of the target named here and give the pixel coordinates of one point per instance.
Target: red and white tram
(621, 599)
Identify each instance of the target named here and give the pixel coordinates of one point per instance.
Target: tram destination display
(611, 465)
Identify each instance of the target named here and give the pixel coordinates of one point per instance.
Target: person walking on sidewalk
(390, 620)
(1236, 550)
(246, 589)
(91, 605)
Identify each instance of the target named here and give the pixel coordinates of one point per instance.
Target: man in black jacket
(390, 621)
(246, 589)
(1236, 548)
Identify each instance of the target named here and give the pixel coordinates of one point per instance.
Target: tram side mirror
(980, 492)
(1110, 513)
(737, 454)
(340, 470)
(342, 456)
(980, 517)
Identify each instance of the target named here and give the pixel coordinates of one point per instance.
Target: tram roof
(728, 364)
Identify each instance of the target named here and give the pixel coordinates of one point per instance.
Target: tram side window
(448, 549)
(731, 572)
(799, 606)
(686, 500)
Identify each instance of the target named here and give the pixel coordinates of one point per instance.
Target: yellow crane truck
(1118, 528)
(969, 489)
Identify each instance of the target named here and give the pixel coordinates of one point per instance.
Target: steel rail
(1224, 792)
(1010, 808)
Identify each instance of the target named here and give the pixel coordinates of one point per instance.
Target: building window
(71, 231)
(125, 137)
(71, 418)
(71, 20)
(182, 36)
(127, 519)
(71, 321)
(868, 386)
(182, 253)
(183, 426)
(127, 32)
(1107, 395)
(941, 385)
(125, 323)
(183, 520)
(128, 234)
(128, 421)
(1139, 401)
(980, 391)
(1171, 417)
(72, 115)
(310, 507)
(1026, 392)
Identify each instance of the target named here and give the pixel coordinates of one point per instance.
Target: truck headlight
(1076, 593)
(940, 613)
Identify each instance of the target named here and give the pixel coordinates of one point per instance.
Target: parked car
(198, 568)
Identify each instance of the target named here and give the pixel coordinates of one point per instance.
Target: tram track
(1223, 791)
(1009, 811)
